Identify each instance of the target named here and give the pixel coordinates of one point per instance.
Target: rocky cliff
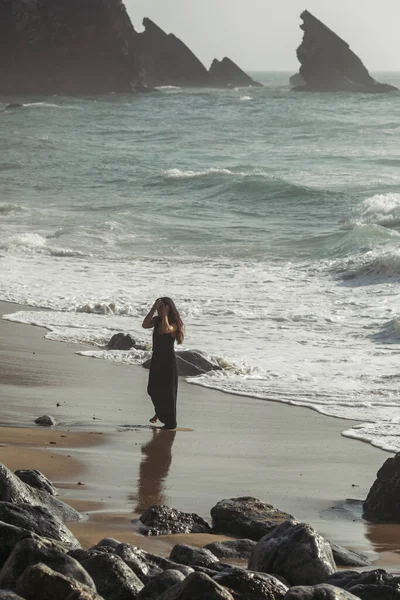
(227, 73)
(168, 61)
(329, 65)
(67, 47)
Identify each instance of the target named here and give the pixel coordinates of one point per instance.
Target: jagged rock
(67, 48)
(348, 558)
(191, 363)
(383, 501)
(246, 517)
(227, 73)
(30, 552)
(197, 586)
(138, 561)
(39, 520)
(295, 551)
(41, 583)
(319, 592)
(163, 520)
(15, 491)
(236, 549)
(46, 421)
(247, 584)
(83, 595)
(108, 542)
(160, 583)
(8, 595)
(328, 64)
(113, 578)
(166, 60)
(191, 556)
(37, 480)
(369, 585)
(121, 341)
(9, 536)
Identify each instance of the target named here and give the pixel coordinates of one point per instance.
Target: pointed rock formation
(67, 48)
(226, 73)
(329, 65)
(166, 60)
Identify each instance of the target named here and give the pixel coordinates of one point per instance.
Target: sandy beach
(110, 464)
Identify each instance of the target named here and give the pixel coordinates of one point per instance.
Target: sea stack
(226, 73)
(166, 60)
(329, 65)
(68, 48)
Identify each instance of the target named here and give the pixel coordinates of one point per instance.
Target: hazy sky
(264, 34)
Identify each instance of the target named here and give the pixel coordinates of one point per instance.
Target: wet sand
(227, 446)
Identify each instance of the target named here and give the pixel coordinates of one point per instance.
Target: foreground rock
(237, 549)
(296, 552)
(328, 64)
(15, 491)
(256, 586)
(46, 421)
(163, 520)
(369, 585)
(348, 558)
(191, 556)
(37, 480)
(113, 578)
(121, 341)
(197, 586)
(246, 517)
(160, 583)
(30, 552)
(226, 73)
(191, 363)
(319, 592)
(41, 583)
(67, 48)
(38, 520)
(383, 501)
(168, 61)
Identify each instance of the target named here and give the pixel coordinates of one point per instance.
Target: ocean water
(272, 218)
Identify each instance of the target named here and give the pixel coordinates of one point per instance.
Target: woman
(163, 377)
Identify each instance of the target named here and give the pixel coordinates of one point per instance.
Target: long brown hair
(174, 317)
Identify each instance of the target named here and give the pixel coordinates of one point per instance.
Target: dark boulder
(191, 556)
(138, 561)
(163, 520)
(248, 584)
(37, 520)
(227, 73)
(15, 491)
(41, 583)
(319, 592)
(160, 583)
(383, 501)
(46, 421)
(246, 517)
(37, 480)
(296, 552)
(9, 536)
(167, 61)
(67, 48)
(369, 585)
(113, 578)
(191, 363)
(120, 341)
(9, 595)
(237, 549)
(329, 65)
(30, 552)
(348, 558)
(197, 586)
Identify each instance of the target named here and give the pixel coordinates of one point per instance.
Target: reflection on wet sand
(154, 468)
(384, 537)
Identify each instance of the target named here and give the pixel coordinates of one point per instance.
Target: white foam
(246, 98)
(380, 209)
(212, 171)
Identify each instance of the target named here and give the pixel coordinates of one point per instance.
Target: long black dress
(163, 378)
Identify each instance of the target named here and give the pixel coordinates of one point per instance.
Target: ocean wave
(168, 87)
(246, 98)
(369, 267)
(7, 208)
(380, 209)
(33, 243)
(178, 174)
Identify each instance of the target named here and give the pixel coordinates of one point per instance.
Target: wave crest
(381, 209)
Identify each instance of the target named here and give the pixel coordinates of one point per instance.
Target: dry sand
(228, 446)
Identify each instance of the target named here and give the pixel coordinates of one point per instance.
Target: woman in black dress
(163, 377)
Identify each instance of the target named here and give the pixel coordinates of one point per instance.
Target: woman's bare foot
(154, 419)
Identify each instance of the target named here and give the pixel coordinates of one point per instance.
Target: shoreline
(294, 459)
